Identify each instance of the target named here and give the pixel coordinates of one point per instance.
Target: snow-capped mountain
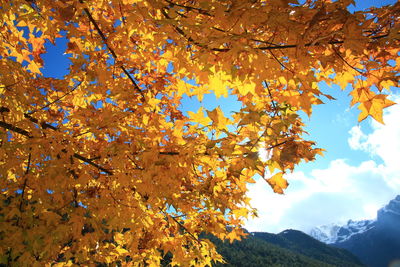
(375, 242)
(325, 233)
(391, 211)
(334, 233)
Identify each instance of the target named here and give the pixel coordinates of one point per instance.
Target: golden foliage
(106, 165)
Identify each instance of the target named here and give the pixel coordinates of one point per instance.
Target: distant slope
(334, 233)
(375, 248)
(380, 245)
(375, 242)
(254, 252)
(287, 249)
(304, 244)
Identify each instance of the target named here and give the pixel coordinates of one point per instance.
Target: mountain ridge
(375, 242)
(289, 248)
(304, 244)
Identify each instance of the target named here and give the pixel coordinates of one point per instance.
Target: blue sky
(356, 176)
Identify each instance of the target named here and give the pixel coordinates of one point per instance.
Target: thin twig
(25, 181)
(58, 99)
(312, 44)
(34, 6)
(28, 167)
(268, 48)
(181, 226)
(270, 96)
(21, 202)
(134, 163)
(276, 145)
(345, 61)
(280, 63)
(90, 162)
(189, 8)
(104, 39)
(75, 155)
(181, 32)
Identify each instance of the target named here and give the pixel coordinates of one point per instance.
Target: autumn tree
(107, 166)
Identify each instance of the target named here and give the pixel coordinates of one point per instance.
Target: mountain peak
(291, 231)
(389, 216)
(393, 207)
(325, 233)
(375, 242)
(334, 233)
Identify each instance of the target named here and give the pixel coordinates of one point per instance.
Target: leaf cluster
(109, 161)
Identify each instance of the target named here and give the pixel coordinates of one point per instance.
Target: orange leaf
(278, 183)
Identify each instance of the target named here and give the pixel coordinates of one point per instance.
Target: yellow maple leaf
(278, 183)
(344, 79)
(218, 83)
(248, 87)
(361, 94)
(199, 117)
(183, 87)
(34, 68)
(218, 118)
(242, 212)
(374, 107)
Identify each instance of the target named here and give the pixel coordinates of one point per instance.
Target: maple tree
(107, 166)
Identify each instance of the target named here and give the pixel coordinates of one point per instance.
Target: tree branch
(75, 155)
(268, 48)
(44, 125)
(280, 63)
(21, 202)
(15, 129)
(179, 30)
(169, 153)
(345, 61)
(276, 145)
(90, 162)
(270, 96)
(58, 99)
(181, 226)
(189, 8)
(104, 39)
(311, 44)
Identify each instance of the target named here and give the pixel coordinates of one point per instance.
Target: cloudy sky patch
(341, 191)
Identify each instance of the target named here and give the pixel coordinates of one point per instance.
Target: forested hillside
(289, 248)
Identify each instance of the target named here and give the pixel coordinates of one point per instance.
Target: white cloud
(383, 142)
(339, 192)
(357, 139)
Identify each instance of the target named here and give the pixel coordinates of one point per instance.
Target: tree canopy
(107, 166)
